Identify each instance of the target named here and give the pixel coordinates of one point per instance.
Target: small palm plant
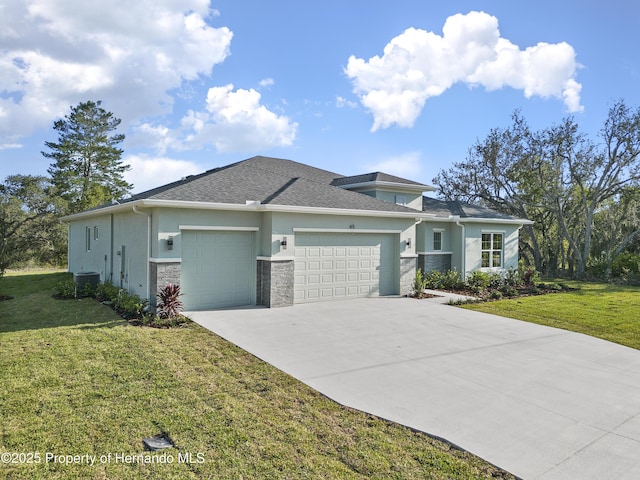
(169, 305)
(419, 284)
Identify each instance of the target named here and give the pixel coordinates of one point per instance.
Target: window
(491, 250)
(88, 238)
(401, 199)
(437, 240)
(95, 233)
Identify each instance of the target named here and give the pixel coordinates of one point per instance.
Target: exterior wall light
(170, 243)
(283, 243)
(409, 242)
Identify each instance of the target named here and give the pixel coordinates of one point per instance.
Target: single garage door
(332, 266)
(218, 269)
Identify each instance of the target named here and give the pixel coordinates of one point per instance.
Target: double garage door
(218, 269)
(333, 266)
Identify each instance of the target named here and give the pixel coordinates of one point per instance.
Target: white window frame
(489, 252)
(440, 232)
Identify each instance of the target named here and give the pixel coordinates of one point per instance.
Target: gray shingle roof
(271, 181)
(274, 181)
(446, 208)
(373, 177)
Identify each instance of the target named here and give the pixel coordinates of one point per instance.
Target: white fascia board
(217, 228)
(503, 221)
(258, 207)
(343, 211)
(342, 230)
(115, 208)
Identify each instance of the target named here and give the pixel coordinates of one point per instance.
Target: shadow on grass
(33, 306)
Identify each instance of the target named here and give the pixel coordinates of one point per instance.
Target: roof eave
(248, 207)
(395, 185)
(504, 221)
(255, 206)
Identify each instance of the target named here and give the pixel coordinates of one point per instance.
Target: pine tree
(87, 170)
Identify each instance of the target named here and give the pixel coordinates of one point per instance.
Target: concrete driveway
(539, 402)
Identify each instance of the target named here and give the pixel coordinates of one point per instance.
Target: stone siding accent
(275, 283)
(438, 262)
(160, 275)
(407, 274)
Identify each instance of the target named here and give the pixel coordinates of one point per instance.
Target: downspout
(148, 273)
(111, 252)
(464, 249)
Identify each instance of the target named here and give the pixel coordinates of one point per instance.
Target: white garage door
(332, 266)
(218, 269)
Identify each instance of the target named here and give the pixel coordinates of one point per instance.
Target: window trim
(440, 233)
(492, 250)
(401, 200)
(87, 238)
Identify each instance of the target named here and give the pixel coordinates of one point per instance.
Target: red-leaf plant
(169, 305)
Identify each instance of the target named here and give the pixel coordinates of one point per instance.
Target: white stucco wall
(413, 200)
(81, 259)
(283, 225)
(105, 254)
(166, 223)
(473, 242)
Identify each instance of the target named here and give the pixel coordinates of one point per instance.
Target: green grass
(606, 311)
(76, 379)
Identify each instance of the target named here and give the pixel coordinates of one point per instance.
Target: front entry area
(332, 266)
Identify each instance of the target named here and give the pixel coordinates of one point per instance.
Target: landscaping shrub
(65, 289)
(624, 264)
(169, 303)
(130, 305)
(449, 280)
(419, 284)
(513, 278)
(478, 281)
(106, 291)
(496, 295)
(508, 291)
(486, 286)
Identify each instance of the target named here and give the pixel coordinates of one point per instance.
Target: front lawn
(75, 379)
(611, 312)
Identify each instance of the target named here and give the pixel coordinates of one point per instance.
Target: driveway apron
(540, 402)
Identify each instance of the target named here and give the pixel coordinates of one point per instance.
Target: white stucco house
(275, 232)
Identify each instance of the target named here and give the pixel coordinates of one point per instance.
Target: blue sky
(404, 87)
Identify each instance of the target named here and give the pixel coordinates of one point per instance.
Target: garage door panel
(349, 266)
(218, 269)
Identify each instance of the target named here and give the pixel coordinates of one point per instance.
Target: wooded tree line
(583, 194)
(86, 171)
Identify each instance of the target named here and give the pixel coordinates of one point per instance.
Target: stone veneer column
(162, 273)
(274, 282)
(407, 274)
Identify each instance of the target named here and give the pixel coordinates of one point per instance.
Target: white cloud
(407, 165)
(419, 64)
(342, 102)
(267, 82)
(57, 53)
(10, 146)
(236, 121)
(150, 172)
